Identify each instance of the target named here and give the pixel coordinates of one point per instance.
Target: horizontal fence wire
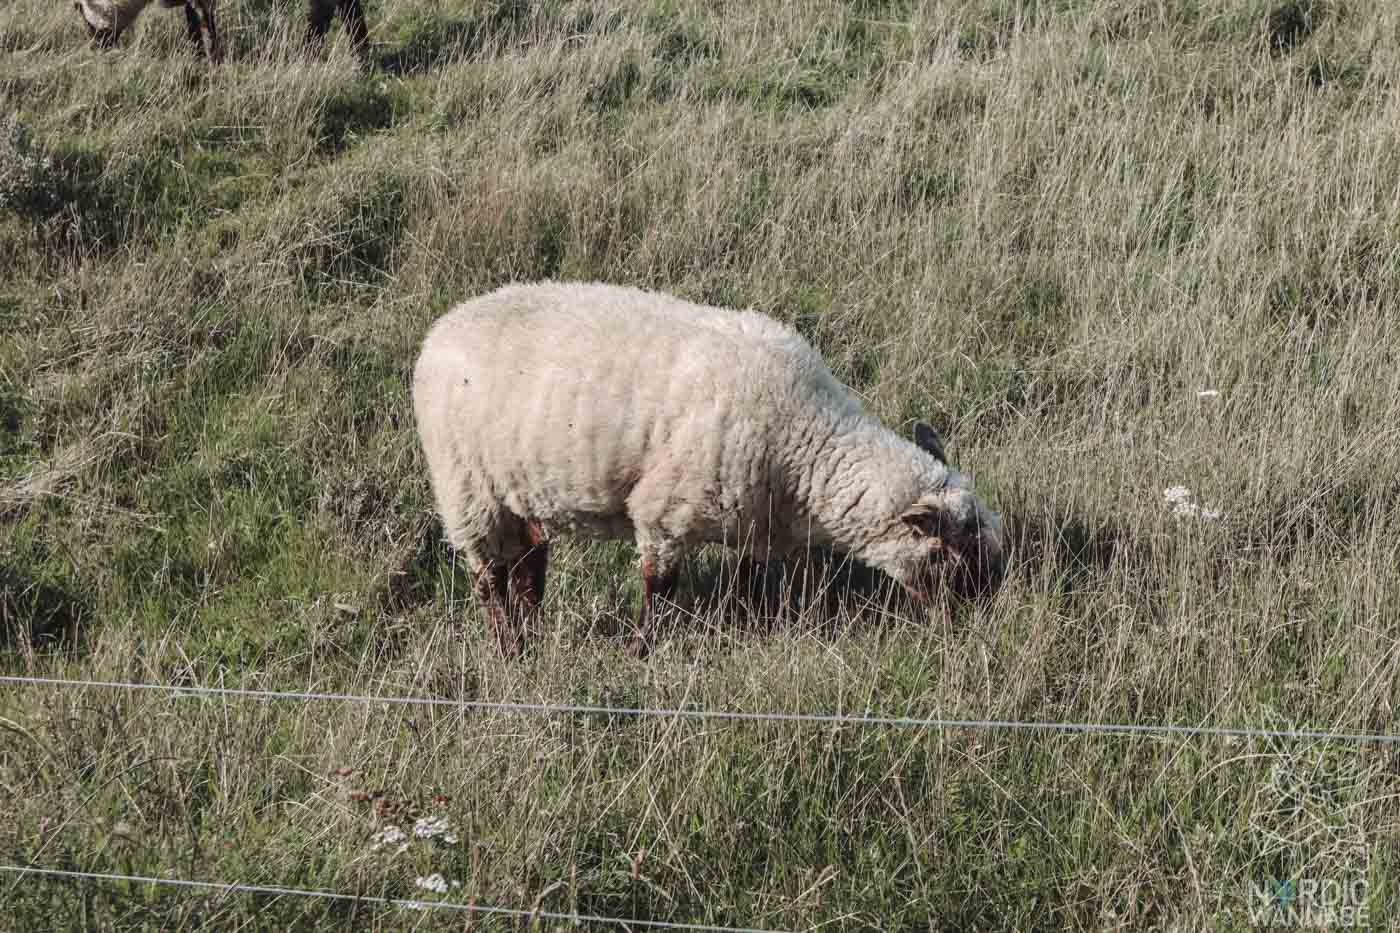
(409, 903)
(569, 709)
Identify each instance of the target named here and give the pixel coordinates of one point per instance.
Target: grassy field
(1108, 247)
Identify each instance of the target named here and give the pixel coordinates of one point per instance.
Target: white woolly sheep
(617, 412)
(106, 19)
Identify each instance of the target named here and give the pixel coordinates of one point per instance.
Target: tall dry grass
(1046, 227)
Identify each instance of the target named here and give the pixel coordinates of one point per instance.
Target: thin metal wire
(413, 904)
(731, 715)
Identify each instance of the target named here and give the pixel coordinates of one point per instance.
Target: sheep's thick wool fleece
(611, 410)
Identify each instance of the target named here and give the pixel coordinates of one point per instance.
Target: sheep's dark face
(958, 541)
(960, 544)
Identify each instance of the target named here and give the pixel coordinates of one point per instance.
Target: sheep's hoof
(638, 647)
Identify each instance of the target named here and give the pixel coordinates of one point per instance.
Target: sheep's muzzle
(979, 569)
(970, 565)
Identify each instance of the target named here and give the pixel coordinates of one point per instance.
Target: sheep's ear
(927, 439)
(924, 521)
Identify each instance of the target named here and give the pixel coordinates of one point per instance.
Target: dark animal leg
(491, 583)
(352, 12)
(199, 25)
(319, 20)
(192, 27)
(656, 584)
(528, 573)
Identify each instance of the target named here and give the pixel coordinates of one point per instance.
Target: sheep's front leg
(658, 582)
(527, 574)
(491, 589)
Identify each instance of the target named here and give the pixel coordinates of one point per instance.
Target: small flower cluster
(388, 836)
(1179, 498)
(435, 827)
(435, 883)
(426, 827)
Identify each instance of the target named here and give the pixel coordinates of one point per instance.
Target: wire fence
(409, 903)
(570, 709)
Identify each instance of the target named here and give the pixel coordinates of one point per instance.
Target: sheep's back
(561, 400)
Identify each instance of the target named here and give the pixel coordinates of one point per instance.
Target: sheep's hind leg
(658, 582)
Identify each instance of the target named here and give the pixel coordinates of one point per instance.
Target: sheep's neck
(844, 500)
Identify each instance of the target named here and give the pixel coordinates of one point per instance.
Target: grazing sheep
(617, 412)
(106, 19)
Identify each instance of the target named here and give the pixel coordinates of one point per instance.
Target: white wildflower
(434, 882)
(1208, 393)
(1179, 497)
(435, 827)
(388, 836)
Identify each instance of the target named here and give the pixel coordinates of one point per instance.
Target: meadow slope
(1108, 247)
